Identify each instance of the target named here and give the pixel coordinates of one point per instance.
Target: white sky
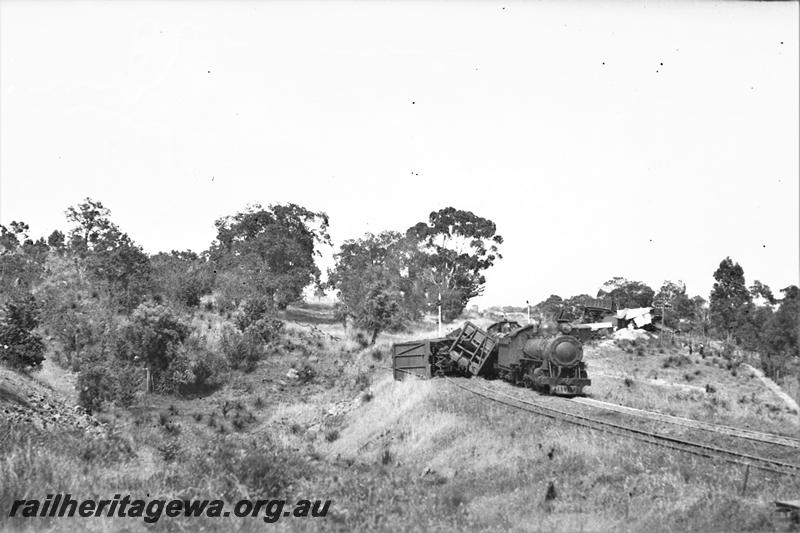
(380, 112)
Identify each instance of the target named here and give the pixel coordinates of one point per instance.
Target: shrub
(676, 361)
(20, 347)
(306, 373)
(170, 451)
(243, 350)
(209, 369)
(182, 277)
(266, 473)
(176, 376)
(187, 374)
(106, 450)
(104, 379)
(266, 329)
(172, 428)
(154, 333)
(362, 381)
(251, 311)
(96, 385)
(192, 287)
(376, 353)
(361, 340)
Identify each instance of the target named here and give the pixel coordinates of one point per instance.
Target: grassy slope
(394, 455)
(669, 380)
(495, 465)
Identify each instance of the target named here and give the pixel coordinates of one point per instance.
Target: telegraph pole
(440, 313)
(528, 303)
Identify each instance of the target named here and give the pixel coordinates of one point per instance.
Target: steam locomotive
(544, 357)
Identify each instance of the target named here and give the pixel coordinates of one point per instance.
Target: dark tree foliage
(780, 350)
(627, 294)
(455, 247)
(20, 347)
(9, 240)
(125, 269)
(91, 220)
(243, 349)
(270, 251)
(73, 313)
(550, 307)
(382, 310)
(22, 260)
(110, 256)
(758, 289)
(251, 311)
(36, 250)
(729, 296)
(750, 326)
(153, 336)
(182, 277)
(56, 240)
(700, 305)
(368, 277)
(97, 385)
(681, 312)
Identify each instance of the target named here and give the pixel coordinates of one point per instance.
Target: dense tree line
(108, 308)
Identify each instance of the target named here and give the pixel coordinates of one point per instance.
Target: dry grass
(492, 468)
(667, 379)
(411, 455)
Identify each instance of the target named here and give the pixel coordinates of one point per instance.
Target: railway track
(540, 407)
(757, 436)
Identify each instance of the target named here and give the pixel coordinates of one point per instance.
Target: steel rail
(667, 441)
(758, 436)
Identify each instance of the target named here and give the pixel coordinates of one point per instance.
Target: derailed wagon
(545, 358)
